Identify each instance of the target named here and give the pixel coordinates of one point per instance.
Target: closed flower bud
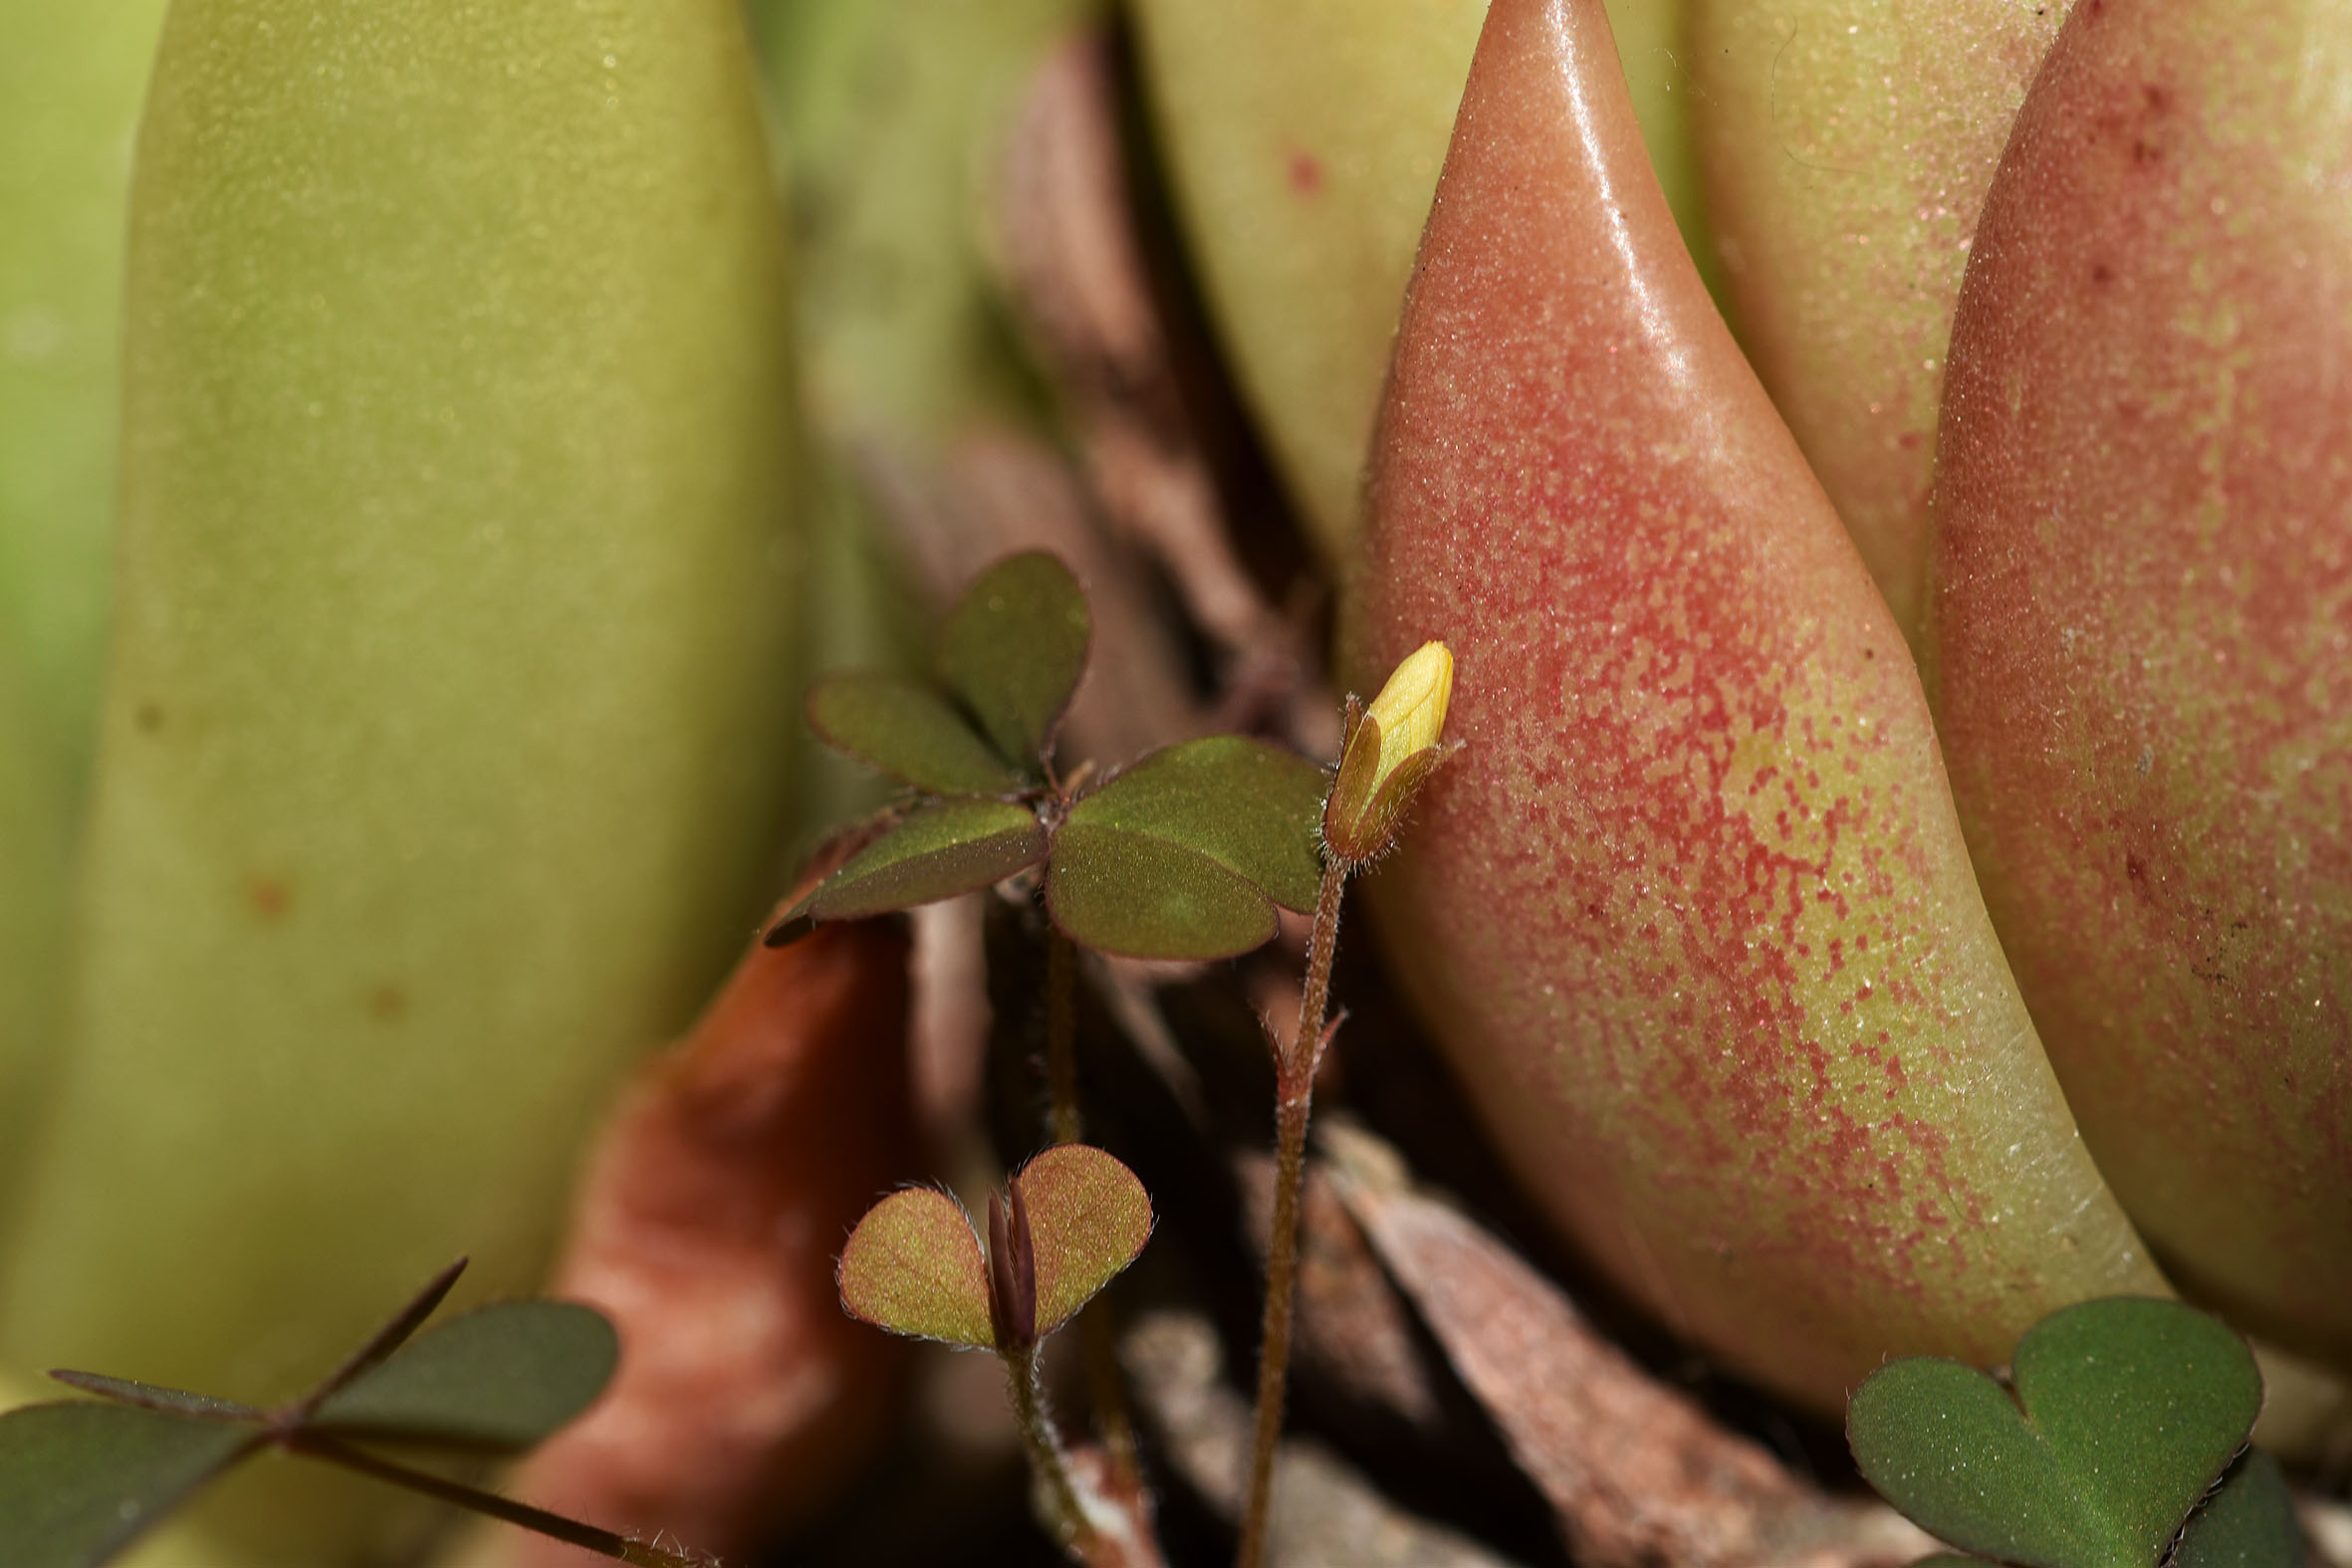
(1393, 748)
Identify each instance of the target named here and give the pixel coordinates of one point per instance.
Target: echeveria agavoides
(2144, 625)
(451, 672)
(1691, 912)
(1847, 146)
(71, 79)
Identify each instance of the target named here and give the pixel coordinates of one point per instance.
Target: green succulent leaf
(502, 1377)
(80, 1480)
(1143, 897)
(1012, 650)
(2130, 1407)
(914, 1266)
(955, 846)
(1088, 1217)
(908, 730)
(2249, 1522)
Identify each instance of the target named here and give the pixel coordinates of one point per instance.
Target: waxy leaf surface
(2142, 625)
(908, 730)
(1012, 650)
(1691, 912)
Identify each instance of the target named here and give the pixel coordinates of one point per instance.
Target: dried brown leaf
(1637, 1473)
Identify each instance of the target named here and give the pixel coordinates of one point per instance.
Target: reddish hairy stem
(1293, 1099)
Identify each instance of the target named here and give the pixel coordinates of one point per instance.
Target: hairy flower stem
(442, 1489)
(1046, 1456)
(1293, 1073)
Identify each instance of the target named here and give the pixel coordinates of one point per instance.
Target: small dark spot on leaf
(2101, 273)
(2135, 868)
(268, 897)
(1306, 173)
(2158, 100)
(387, 1003)
(1908, 441)
(148, 717)
(2145, 152)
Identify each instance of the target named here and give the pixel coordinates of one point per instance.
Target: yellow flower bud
(1395, 748)
(1411, 708)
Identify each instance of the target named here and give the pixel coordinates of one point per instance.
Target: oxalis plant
(1182, 854)
(2116, 1438)
(82, 1481)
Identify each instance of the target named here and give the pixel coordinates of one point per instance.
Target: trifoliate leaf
(2130, 1407)
(2249, 1522)
(955, 846)
(503, 1377)
(80, 1480)
(1253, 808)
(910, 731)
(1143, 897)
(1012, 650)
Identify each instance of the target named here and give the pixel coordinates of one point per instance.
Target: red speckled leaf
(914, 1266)
(1088, 1217)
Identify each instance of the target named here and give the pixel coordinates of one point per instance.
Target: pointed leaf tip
(502, 1377)
(1012, 650)
(1088, 1219)
(914, 1267)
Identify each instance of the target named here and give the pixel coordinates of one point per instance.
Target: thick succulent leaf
(2131, 1406)
(914, 1266)
(1143, 897)
(1253, 808)
(79, 1480)
(1088, 1217)
(505, 1376)
(908, 730)
(956, 846)
(1012, 650)
(2249, 1523)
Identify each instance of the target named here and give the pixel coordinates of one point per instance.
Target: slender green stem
(1294, 1071)
(572, 1532)
(1061, 1035)
(1046, 1453)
